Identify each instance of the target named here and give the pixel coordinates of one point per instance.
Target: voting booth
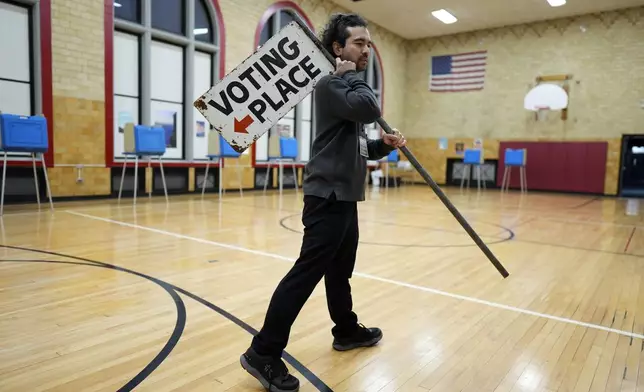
(515, 158)
(218, 149)
(472, 158)
(143, 141)
(24, 134)
(281, 149)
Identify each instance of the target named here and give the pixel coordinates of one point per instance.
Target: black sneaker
(363, 337)
(271, 372)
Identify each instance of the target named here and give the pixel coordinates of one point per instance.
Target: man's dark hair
(336, 29)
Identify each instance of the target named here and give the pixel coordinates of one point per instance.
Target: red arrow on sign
(240, 126)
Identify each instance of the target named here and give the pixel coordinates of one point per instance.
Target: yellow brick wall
(79, 97)
(604, 53)
(606, 60)
(78, 73)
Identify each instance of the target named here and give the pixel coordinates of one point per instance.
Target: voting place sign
(263, 88)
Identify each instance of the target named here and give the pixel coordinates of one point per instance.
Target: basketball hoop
(542, 112)
(543, 98)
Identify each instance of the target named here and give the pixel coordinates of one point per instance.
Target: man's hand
(395, 140)
(342, 66)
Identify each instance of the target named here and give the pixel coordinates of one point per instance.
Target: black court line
(174, 337)
(609, 252)
(303, 370)
(584, 204)
(505, 229)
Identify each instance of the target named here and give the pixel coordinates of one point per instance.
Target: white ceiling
(413, 19)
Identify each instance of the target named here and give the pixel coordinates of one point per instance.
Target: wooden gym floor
(97, 296)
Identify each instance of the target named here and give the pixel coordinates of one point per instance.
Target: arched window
(298, 122)
(373, 76)
(166, 53)
(25, 67)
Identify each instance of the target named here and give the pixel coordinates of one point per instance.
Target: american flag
(458, 72)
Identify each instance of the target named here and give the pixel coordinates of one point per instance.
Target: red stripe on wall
(273, 8)
(456, 91)
(46, 76)
(108, 27)
(222, 38)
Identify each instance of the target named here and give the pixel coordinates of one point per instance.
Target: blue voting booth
(143, 141)
(24, 134)
(515, 158)
(281, 149)
(472, 158)
(218, 150)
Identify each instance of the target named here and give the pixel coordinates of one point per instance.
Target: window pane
(267, 31)
(14, 23)
(261, 148)
(167, 72)
(128, 10)
(204, 30)
(126, 64)
(304, 140)
(202, 82)
(290, 114)
(169, 15)
(169, 117)
(125, 110)
(305, 107)
(285, 18)
(15, 98)
(376, 74)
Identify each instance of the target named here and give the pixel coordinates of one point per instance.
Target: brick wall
(78, 74)
(79, 91)
(606, 60)
(604, 53)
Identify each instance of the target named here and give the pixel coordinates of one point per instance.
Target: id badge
(363, 147)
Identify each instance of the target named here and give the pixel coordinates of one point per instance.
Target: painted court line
(185, 237)
(372, 277)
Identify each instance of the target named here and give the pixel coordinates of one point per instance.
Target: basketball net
(542, 112)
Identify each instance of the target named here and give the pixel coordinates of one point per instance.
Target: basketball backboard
(546, 95)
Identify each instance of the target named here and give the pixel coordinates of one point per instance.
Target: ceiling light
(445, 16)
(201, 31)
(556, 3)
(117, 4)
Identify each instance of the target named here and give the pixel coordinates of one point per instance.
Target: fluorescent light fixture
(556, 3)
(201, 31)
(444, 16)
(117, 4)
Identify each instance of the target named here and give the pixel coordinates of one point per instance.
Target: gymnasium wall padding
(559, 166)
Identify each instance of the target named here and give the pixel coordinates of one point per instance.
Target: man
(333, 184)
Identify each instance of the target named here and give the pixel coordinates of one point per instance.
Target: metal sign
(253, 97)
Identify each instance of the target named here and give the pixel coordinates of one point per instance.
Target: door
(632, 169)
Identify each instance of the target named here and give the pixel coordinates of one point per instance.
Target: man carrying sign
(333, 184)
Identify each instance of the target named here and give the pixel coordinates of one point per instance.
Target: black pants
(328, 250)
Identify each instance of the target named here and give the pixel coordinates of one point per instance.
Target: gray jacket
(343, 105)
